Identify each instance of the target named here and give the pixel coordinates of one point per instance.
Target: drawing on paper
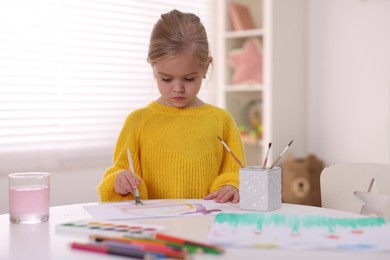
(165, 207)
(300, 232)
(157, 208)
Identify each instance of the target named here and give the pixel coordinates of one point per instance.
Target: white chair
(362, 188)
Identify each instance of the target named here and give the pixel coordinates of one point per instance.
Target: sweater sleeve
(106, 187)
(127, 139)
(229, 170)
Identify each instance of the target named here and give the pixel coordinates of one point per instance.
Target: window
(70, 72)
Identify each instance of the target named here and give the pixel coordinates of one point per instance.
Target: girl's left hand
(224, 194)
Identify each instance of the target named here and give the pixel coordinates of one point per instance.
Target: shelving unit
(277, 102)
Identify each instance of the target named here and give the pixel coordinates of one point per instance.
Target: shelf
(251, 140)
(244, 33)
(244, 101)
(281, 35)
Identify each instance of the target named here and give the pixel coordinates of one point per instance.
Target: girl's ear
(207, 67)
(210, 61)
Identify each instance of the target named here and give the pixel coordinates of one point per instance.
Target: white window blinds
(70, 72)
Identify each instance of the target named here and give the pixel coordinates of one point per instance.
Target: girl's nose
(178, 86)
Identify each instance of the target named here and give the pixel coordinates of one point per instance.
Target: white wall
(349, 80)
(66, 187)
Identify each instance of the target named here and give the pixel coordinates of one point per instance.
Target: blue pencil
(135, 248)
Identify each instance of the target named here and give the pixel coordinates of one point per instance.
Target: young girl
(174, 140)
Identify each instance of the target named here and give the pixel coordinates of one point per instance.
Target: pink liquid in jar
(29, 200)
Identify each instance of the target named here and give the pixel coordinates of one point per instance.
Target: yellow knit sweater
(176, 152)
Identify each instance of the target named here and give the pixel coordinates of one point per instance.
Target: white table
(42, 242)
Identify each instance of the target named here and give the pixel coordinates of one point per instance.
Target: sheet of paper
(158, 209)
(300, 232)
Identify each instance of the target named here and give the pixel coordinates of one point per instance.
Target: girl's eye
(166, 80)
(189, 79)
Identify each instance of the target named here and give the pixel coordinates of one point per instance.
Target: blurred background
(70, 72)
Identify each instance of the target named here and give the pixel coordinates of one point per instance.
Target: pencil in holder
(260, 189)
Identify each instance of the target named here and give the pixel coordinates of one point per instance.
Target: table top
(42, 241)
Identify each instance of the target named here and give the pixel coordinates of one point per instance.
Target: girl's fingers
(125, 182)
(236, 197)
(130, 180)
(225, 195)
(211, 195)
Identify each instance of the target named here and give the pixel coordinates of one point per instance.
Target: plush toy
(301, 180)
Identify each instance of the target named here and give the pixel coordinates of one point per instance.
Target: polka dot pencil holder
(260, 189)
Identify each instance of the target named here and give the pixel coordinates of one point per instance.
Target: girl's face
(179, 80)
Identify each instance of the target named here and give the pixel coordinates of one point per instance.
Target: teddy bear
(301, 180)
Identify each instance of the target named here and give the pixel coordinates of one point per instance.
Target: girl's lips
(178, 98)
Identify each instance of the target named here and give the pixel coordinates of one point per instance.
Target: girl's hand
(125, 183)
(224, 194)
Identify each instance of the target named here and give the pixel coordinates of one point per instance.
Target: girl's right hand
(125, 183)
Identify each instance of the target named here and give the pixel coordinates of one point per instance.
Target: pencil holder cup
(260, 189)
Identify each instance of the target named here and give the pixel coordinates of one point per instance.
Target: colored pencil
(280, 156)
(109, 250)
(188, 247)
(148, 245)
(160, 253)
(230, 151)
(172, 246)
(207, 248)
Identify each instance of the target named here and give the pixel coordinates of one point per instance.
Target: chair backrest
(339, 182)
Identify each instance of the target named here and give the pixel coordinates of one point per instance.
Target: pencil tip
(269, 145)
(290, 142)
(219, 138)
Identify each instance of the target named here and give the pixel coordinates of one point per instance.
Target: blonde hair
(176, 32)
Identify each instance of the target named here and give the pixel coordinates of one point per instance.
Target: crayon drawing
(157, 209)
(300, 232)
